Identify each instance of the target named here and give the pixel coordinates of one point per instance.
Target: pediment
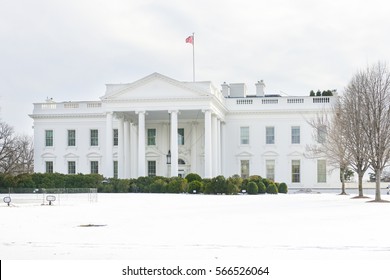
(155, 86)
(48, 155)
(270, 154)
(71, 155)
(94, 155)
(295, 154)
(244, 154)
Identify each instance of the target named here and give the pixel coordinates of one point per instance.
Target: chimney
(225, 89)
(260, 88)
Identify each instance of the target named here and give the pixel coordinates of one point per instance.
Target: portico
(144, 138)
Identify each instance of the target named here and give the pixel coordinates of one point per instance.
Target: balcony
(279, 103)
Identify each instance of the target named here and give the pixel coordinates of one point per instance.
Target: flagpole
(193, 56)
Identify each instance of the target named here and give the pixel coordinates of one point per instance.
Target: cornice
(66, 116)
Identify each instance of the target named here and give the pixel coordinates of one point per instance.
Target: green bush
(193, 177)
(158, 186)
(252, 188)
(177, 185)
(195, 186)
(233, 185)
(272, 189)
(219, 184)
(262, 188)
(283, 188)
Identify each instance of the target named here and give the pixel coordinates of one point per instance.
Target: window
(94, 137)
(180, 136)
(115, 169)
(295, 135)
(71, 138)
(270, 169)
(151, 168)
(49, 166)
(321, 171)
(151, 136)
(115, 134)
(71, 167)
(244, 169)
(296, 171)
(321, 134)
(94, 167)
(49, 138)
(244, 135)
(270, 135)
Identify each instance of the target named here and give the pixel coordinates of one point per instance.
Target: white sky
(69, 50)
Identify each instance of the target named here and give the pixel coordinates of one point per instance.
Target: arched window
(180, 161)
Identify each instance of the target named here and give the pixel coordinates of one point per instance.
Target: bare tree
(330, 143)
(7, 147)
(351, 108)
(16, 152)
(375, 95)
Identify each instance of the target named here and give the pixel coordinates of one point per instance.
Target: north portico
(228, 131)
(147, 119)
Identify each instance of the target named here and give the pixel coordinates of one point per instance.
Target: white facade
(129, 132)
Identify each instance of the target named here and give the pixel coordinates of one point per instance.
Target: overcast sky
(68, 50)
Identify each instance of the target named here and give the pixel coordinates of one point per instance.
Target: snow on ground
(191, 227)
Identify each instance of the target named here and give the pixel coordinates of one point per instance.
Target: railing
(68, 105)
(321, 100)
(295, 100)
(269, 101)
(244, 101)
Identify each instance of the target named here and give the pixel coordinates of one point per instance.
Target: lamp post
(169, 157)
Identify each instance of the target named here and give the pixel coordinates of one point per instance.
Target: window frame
(267, 170)
(244, 135)
(296, 139)
(269, 139)
(151, 137)
(321, 171)
(180, 136)
(296, 172)
(49, 166)
(71, 168)
(115, 137)
(94, 169)
(71, 138)
(152, 168)
(94, 139)
(49, 139)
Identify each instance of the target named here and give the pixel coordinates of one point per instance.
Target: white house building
(206, 130)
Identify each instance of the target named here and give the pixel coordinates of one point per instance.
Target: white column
(214, 145)
(133, 151)
(165, 148)
(223, 148)
(109, 168)
(193, 147)
(174, 145)
(127, 149)
(219, 147)
(207, 144)
(121, 148)
(141, 144)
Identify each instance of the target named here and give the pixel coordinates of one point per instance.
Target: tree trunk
(343, 182)
(378, 174)
(360, 186)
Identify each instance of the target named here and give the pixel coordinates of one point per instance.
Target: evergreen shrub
(262, 188)
(195, 186)
(283, 188)
(252, 188)
(272, 189)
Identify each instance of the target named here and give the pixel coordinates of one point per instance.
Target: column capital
(173, 111)
(140, 112)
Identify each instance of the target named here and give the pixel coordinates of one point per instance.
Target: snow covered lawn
(172, 226)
